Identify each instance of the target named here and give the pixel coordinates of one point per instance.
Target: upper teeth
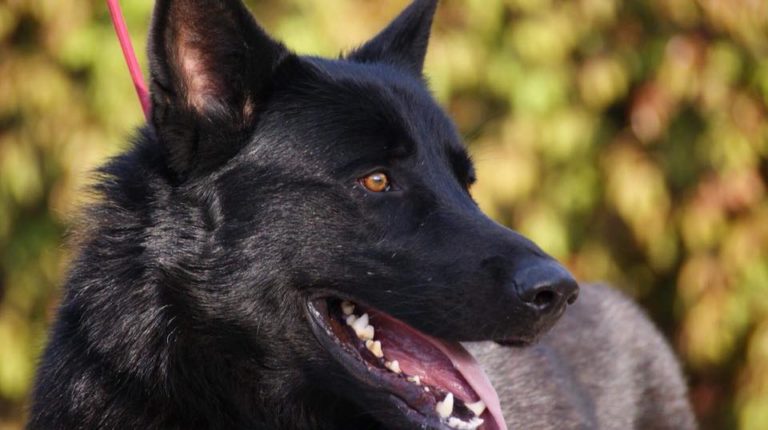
(347, 307)
(360, 325)
(375, 347)
(393, 365)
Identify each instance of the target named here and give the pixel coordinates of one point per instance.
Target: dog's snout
(546, 286)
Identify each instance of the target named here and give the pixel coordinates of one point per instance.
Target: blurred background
(628, 138)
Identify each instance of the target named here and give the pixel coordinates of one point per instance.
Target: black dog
(291, 244)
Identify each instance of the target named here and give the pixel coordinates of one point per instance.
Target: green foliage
(629, 139)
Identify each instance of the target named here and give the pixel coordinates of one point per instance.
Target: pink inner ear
(191, 60)
(194, 76)
(203, 91)
(192, 69)
(202, 44)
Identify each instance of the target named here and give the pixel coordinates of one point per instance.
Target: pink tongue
(438, 363)
(476, 377)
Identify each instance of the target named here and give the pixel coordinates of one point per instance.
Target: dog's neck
(160, 366)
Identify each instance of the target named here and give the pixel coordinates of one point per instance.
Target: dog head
(336, 217)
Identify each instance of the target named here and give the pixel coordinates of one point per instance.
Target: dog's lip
(516, 342)
(473, 377)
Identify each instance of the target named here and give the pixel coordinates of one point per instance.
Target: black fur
(240, 201)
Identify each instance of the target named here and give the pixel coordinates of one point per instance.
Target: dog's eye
(376, 182)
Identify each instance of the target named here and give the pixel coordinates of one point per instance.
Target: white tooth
(426, 389)
(478, 407)
(347, 307)
(445, 408)
(375, 347)
(361, 322)
(366, 333)
(362, 329)
(473, 424)
(351, 320)
(415, 379)
(393, 366)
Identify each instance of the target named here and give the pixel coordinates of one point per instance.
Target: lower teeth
(465, 425)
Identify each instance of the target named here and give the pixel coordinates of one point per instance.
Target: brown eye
(376, 182)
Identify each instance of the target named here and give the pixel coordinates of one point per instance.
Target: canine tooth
(393, 366)
(478, 407)
(445, 407)
(375, 347)
(347, 307)
(415, 379)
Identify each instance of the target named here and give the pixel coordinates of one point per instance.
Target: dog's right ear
(211, 66)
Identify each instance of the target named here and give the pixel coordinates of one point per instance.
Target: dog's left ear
(403, 43)
(212, 67)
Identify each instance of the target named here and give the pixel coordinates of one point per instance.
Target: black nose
(546, 286)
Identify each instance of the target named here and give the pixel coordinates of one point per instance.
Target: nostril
(551, 296)
(544, 299)
(572, 298)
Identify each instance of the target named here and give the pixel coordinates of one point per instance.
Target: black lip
(515, 343)
(402, 395)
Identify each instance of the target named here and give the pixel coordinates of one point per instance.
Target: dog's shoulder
(604, 314)
(604, 365)
(617, 339)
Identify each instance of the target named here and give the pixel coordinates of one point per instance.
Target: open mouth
(438, 383)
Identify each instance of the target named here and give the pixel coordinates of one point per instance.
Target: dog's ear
(210, 65)
(403, 42)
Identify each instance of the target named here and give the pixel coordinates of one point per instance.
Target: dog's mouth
(434, 383)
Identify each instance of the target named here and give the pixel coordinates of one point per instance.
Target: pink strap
(129, 54)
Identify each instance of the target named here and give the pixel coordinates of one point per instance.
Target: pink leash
(130, 55)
